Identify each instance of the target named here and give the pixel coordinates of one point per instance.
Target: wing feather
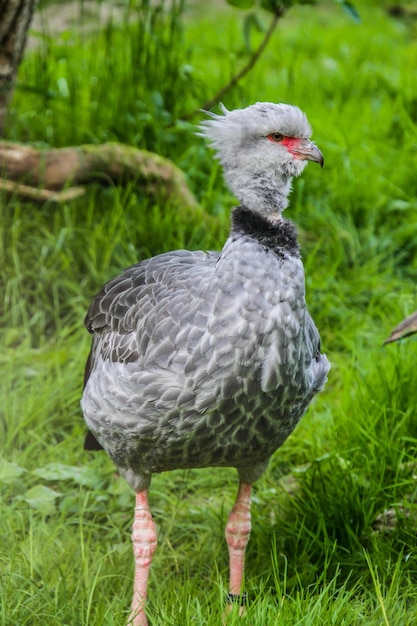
(142, 292)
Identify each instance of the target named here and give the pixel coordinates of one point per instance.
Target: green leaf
(275, 6)
(252, 22)
(41, 498)
(58, 471)
(9, 471)
(350, 9)
(241, 4)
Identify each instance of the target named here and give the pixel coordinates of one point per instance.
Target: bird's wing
(317, 364)
(116, 305)
(116, 312)
(403, 329)
(122, 316)
(312, 338)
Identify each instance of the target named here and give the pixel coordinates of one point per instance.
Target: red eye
(275, 137)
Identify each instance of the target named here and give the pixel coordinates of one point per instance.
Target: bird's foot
(234, 601)
(137, 617)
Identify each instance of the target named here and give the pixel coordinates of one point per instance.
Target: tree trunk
(15, 19)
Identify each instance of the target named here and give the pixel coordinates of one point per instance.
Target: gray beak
(306, 150)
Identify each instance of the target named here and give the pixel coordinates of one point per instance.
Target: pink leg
(238, 529)
(144, 541)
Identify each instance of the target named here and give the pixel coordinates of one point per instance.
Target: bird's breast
(219, 381)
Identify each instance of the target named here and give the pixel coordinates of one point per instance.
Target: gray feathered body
(204, 359)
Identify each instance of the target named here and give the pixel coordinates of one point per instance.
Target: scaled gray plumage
(210, 359)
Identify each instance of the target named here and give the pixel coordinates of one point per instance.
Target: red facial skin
(299, 148)
(291, 143)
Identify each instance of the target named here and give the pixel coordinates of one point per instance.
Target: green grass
(314, 556)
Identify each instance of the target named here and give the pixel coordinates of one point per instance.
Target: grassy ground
(317, 554)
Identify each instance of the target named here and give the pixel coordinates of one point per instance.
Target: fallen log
(55, 169)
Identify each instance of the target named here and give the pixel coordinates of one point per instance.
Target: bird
(203, 359)
(407, 327)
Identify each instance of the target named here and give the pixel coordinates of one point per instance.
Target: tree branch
(245, 70)
(40, 195)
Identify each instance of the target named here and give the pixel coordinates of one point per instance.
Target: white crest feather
(234, 130)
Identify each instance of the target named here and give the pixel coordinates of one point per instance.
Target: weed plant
(322, 550)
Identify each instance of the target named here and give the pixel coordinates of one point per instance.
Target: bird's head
(261, 148)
